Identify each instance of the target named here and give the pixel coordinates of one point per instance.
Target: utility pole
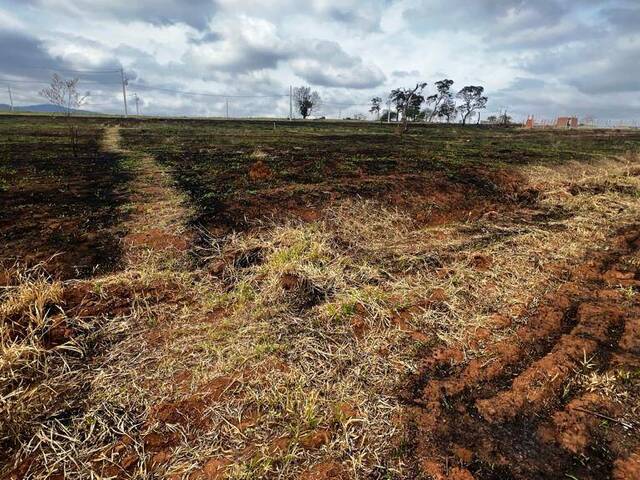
(135, 95)
(389, 111)
(10, 97)
(227, 109)
(290, 102)
(124, 92)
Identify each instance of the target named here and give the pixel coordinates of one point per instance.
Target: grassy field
(190, 299)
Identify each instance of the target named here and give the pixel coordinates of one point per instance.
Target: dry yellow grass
(317, 324)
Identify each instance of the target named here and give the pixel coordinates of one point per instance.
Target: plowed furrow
(524, 409)
(544, 379)
(505, 358)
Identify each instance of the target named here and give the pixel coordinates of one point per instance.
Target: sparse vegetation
(319, 301)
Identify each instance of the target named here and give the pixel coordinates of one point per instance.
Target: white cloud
(587, 53)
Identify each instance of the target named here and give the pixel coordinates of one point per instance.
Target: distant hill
(41, 108)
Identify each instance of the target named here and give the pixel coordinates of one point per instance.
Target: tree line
(444, 105)
(411, 104)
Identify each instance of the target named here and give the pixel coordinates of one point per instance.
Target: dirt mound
(534, 405)
(259, 171)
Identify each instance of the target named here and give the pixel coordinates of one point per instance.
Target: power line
(216, 95)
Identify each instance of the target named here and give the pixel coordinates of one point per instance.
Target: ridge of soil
(513, 413)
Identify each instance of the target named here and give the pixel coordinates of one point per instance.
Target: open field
(208, 300)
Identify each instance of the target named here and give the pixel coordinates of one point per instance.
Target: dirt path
(158, 212)
(529, 408)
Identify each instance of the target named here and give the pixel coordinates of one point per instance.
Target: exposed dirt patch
(259, 171)
(512, 413)
(325, 471)
(280, 351)
(160, 213)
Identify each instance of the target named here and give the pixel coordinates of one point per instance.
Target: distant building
(530, 122)
(567, 122)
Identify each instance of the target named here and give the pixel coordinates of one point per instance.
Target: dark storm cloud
(612, 68)
(360, 77)
(195, 13)
(252, 59)
(330, 53)
(462, 15)
(521, 83)
(590, 46)
(319, 62)
(616, 72)
(244, 58)
(25, 56)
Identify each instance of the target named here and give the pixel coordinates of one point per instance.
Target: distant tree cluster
(412, 105)
(502, 119)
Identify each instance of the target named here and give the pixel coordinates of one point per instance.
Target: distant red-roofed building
(567, 122)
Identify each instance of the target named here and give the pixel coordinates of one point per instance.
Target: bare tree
(472, 100)
(505, 118)
(444, 95)
(376, 104)
(306, 100)
(64, 94)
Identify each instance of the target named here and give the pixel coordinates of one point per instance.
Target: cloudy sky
(542, 57)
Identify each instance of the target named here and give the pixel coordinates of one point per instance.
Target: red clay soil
(325, 471)
(513, 414)
(259, 171)
(162, 436)
(434, 198)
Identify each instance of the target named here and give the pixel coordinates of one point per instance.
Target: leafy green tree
(376, 105)
(472, 100)
(408, 101)
(447, 110)
(444, 95)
